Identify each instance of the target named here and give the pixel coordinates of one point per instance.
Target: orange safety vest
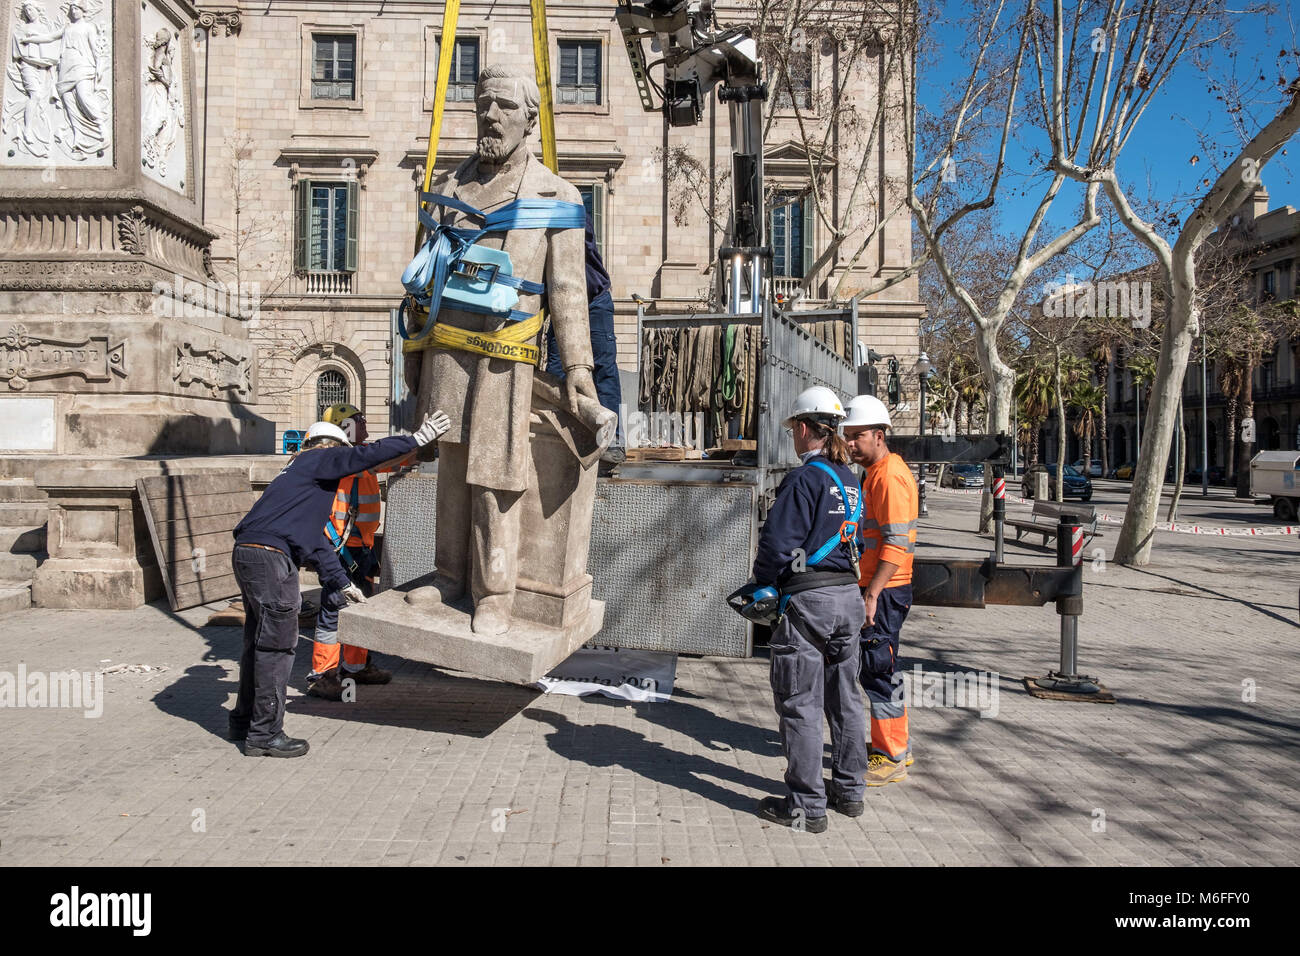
(889, 520)
(368, 505)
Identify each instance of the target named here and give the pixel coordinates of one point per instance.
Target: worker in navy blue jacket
(279, 535)
(808, 552)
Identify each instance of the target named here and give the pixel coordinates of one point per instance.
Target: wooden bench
(1046, 516)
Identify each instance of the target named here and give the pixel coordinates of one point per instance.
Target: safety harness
(848, 535)
(450, 265)
(340, 542)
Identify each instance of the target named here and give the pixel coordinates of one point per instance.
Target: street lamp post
(923, 367)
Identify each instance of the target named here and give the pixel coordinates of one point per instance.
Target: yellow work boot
(908, 761)
(881, 770)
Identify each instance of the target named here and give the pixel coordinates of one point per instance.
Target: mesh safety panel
(664, 557)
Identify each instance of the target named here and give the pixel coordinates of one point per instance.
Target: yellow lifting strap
(511, 342)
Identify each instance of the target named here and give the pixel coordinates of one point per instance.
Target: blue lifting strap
(826, 549)
(426, 276)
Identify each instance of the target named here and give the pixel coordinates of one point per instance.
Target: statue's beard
(493, 148)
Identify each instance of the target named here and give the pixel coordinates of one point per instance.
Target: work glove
(434, 427)
(354, 595)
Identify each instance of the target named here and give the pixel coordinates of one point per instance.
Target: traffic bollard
(999, 511)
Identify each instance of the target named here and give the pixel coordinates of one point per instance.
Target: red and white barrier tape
(1176, 527)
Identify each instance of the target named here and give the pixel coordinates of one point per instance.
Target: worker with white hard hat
(889, 537)
(807, 555)
(279, 535)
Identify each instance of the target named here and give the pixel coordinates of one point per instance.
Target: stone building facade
(317, 117)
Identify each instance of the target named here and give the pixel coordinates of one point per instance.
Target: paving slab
(1195, 764)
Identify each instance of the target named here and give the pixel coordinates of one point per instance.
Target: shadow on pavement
(422, 697)
(605, 745)
(1218, 594)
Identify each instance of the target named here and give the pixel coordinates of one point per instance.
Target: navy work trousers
(268, 582)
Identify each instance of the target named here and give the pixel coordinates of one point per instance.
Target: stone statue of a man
(483, 461)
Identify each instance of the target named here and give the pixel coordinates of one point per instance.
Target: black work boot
(329, 685)
(774, 809)
(370, 674)
(281, 745)
(850, 808)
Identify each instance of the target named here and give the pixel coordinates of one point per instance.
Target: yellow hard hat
(338, 414)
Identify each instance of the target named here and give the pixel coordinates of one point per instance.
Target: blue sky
(1156, 160)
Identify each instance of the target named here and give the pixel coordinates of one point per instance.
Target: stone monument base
(440, 634)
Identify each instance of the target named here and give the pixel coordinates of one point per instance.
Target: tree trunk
(1135, 537)
(1060, 429)
(1002, 377)
(1180, 466)
(1105, 430)
(1245, 448)
(1087, 446)
(1230, 453)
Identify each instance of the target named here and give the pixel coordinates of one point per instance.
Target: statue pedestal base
(440, 634)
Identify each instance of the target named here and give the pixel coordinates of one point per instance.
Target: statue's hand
(578, 381)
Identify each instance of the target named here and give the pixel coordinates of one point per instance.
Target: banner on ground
(644, 676)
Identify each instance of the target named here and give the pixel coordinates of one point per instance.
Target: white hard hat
(866, 410)
(326, 430)
(818, 402)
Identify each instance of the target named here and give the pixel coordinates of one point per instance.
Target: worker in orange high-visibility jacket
(885, 575)
(354, 519)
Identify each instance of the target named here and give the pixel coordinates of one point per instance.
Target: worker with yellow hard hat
(354, 519)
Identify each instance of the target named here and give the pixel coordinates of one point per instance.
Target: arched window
(331, 389)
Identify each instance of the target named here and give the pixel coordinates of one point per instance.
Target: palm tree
(1034, 392)
(1090, 400)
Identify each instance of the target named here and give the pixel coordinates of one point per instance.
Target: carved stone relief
(57, 108)
(214, 368)
(133, 230)
(163, 153)
(25, 356)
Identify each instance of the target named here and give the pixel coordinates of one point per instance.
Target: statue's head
(162, 38)
(507, 104)
(76, 11)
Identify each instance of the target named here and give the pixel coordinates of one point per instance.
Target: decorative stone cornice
(32, 202)
(345, 158)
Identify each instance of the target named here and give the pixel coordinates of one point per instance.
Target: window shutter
(469, 69)
(353, 220)
(569, 64)
(302, 224)
(590, 64)
(809, 219)
(598, 217)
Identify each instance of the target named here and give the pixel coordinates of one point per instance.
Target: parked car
(1218, 476)
(1094, 468)
(1073, 483)
(964, 476)
(1124, 472)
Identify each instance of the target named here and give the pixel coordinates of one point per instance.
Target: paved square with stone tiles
(1197, 763)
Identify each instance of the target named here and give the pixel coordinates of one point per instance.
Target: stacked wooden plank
(192, 520)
